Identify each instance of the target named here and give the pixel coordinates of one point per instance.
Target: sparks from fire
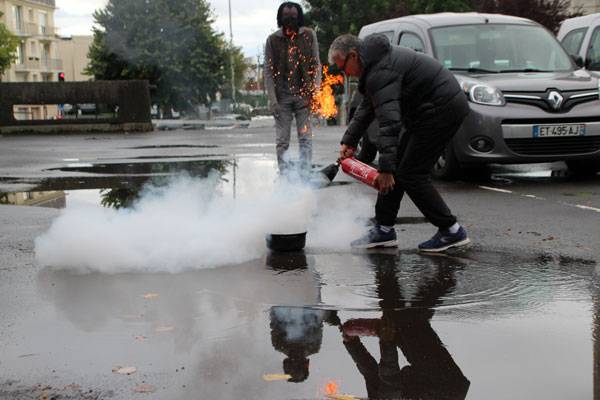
(322, 99)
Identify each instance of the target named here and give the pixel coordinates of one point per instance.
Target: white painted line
(532, 196)
(588, 208)
(70, 159)
(495, 189)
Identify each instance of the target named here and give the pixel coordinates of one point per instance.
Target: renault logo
(555, 99)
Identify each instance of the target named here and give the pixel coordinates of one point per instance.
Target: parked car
(580, 37)
(529, 101)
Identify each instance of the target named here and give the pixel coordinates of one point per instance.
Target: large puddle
(378, 325)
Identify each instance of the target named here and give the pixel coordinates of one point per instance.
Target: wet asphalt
(515, 316)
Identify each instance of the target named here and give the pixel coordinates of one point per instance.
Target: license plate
(540, 131)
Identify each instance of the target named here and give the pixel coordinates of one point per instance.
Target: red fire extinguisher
(360, 171)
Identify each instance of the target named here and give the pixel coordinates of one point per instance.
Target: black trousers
(419, 149)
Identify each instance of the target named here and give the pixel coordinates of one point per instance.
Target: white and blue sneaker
(444, 240)
(376, 237)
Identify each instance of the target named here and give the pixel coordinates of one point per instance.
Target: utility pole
(231, 56)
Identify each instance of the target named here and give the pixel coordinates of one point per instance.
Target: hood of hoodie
(372, 49)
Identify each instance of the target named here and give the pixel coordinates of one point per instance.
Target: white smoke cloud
(191, 224)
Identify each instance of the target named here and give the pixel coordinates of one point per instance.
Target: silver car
(580, 37)
(530, 102)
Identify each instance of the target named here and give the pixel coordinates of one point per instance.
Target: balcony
(28, 65)
(51, 3)
(52, 64)
(27, 29)
(47, 31)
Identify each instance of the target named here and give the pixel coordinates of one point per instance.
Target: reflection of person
(292, 74)
(431, 373)
(419, 107)
(297, 332)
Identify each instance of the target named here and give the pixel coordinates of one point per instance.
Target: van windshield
(496, 48)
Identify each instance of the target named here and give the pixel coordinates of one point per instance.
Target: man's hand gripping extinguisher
(356, 169)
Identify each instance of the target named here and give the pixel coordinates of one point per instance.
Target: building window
(18, 17)
(33, 50)
(46, 55)
(21, 53)
(43, 23)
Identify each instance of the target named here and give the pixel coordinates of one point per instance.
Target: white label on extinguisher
(360, 171)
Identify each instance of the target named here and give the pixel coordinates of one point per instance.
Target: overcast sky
(253, 20)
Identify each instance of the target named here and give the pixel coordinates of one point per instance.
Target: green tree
(171, 43)
(549, 13)
(240, 67)
(436, 6)
(331, 18)
(8, 48)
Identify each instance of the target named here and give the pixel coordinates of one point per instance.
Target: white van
(580, 36)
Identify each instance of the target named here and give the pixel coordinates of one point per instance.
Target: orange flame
(323, 102)
(331, 388)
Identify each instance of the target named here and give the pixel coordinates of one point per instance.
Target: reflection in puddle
(120, 185)
(379, 325)
(50, 199)
(238, 177)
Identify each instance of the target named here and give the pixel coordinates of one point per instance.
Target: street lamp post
(231, 55)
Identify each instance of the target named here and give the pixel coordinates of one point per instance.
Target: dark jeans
(420, 148)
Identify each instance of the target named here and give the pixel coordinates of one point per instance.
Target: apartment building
(33, 23)
(587, 6)
(73, 52)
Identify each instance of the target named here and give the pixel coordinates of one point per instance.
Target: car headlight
(482, 93)
(487, 95)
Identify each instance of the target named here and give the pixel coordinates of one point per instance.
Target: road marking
(588, 208)
(531, 196)
(495, 189)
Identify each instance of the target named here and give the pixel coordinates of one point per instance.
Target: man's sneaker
(376, 238)
(444, 240)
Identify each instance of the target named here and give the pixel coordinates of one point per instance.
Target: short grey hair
(342, 46)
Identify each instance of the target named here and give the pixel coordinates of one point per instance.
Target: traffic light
(61, 76)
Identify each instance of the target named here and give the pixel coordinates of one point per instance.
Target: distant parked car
(529, 101)
(580, 37)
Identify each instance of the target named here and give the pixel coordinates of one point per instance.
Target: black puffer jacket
(402, 88)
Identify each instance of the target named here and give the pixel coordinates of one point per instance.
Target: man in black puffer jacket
(419, 107)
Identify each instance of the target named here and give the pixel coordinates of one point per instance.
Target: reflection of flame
(331, 388)
(323, 102)
(332, 392)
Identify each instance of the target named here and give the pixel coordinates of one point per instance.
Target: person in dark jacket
(419, 106)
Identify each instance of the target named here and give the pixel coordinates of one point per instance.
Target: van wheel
(584, 167)
(447, 166)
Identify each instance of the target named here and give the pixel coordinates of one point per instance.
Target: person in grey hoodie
(292, 74)
(419, 106)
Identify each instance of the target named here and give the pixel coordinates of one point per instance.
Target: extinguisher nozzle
(330, 171)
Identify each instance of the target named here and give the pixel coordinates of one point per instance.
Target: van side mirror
(578, 60)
